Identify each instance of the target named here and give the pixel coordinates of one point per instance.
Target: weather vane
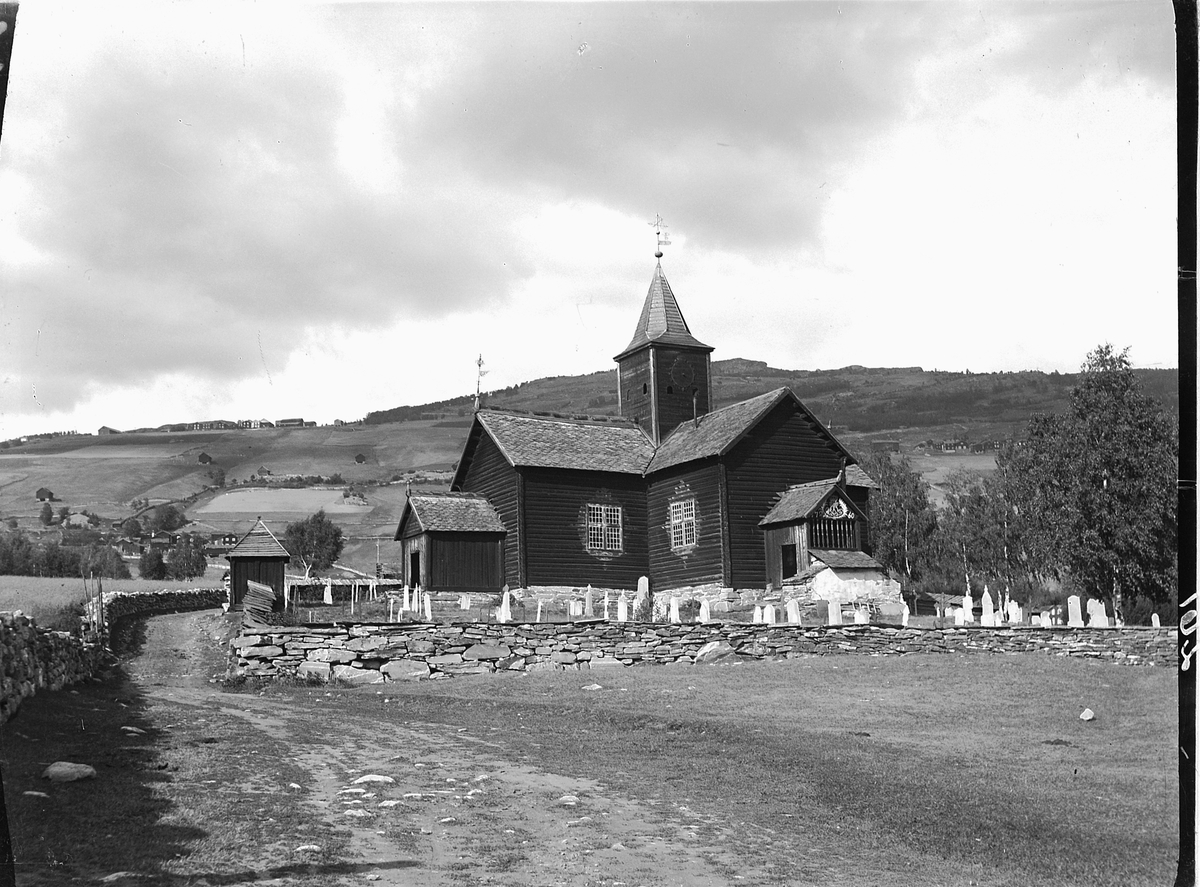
(479, 380)
(660, 228)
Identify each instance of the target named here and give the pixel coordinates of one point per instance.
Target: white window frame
(683, 523)
(604, 527)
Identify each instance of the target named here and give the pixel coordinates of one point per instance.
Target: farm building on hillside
(672, 489)
(204, 459)
(451, 542)
(44, 495)
(257, 557)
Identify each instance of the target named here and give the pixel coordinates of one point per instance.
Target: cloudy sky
(232, 211)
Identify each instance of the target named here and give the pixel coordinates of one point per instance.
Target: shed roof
(661, 321)
(846, 560)
(799, 501)
(259, 542)
(616, 445)
(451, 513)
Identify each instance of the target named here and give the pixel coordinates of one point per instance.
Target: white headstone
(1097, 617)
(328, 592)
(464, 602)
(1014, 612)
(757, 617)
(862, 616)
(428, 607)
(622, 608)
(606, 616)
(960, 615)
(904, 614)
(587, 602)
(674, 617)
(835, 612)
(987, 616)
(968, 610)
(406, 605)
(643, 590)
(769, 614)
(505, 607)
(1074, 614)
(1155, 621)
(705, 611)
(793, 612)
(539, 612)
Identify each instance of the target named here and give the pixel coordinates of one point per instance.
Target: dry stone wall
(34, 658)
(369, 653)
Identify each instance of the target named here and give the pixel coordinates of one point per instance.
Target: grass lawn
(42, 597)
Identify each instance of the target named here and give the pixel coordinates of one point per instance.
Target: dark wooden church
(671, 489)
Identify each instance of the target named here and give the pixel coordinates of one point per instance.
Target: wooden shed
(814, 521)
(451, 542)
(259, 557)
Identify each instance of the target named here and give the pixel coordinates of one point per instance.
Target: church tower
(664, 377)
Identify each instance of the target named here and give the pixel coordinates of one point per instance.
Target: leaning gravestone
(1074, 616)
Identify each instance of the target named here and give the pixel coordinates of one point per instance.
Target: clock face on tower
(682, 372)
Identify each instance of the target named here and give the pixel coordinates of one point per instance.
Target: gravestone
(674, 617)
(505, 607)
(904, 616)
(406, 605)
(606, 597)
(643, 589)
(1014, 612)
(622, 608)
(960, 615)
(769, 614)
(587, 603)
(538, 618)
(1097, 616)
(835, 613)
(328, 592)
(1047, 619)
(428, 607)
(464, 602)
(1074, 615)
(862, 616)
(968, 610)
(757, 617)
(705, 611)
(987, 616)
(1154, 620)
(793, 612)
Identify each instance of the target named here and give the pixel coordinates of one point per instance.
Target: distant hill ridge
(855, 399)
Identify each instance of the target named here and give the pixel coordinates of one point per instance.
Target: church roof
(451, 513)
(259, 542)
(568, 442)
(856, 477)
(661, 321)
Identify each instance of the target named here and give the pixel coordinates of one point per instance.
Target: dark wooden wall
(465, 561)
(675, 401)
(774, 538)
(783, 448)
(555, 523)
(704, 563)
(634, 372)
(490, 475)
(244, 569)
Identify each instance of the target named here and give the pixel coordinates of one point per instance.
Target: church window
(683, 523)
(604, 527)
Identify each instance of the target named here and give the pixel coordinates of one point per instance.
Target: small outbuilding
(452, 542)
(360, 458)
(204, 459)
(44, 495)
(257, 557)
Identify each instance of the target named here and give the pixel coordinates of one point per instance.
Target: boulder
(333, 654)
(448, 659)
(314, 669)
(713, 651)
(352, 675)
(405, 670)
(63, 771)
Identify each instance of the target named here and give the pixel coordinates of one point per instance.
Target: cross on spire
(660, 228)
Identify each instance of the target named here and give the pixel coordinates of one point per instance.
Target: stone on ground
(64, 771)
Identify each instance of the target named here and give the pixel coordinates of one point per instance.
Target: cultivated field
(850, 771)
(42, 597)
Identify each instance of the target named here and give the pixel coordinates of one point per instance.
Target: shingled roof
(799, 501)
(661, 321)
(451, 513)
(856, 477)
(846, 560)
(566, 442)
(259, 542)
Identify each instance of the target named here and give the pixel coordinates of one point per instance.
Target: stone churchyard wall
(35, 658)
(370, 653)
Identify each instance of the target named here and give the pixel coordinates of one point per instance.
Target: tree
(46, 515)
(314, 543)
(132, 528)
(186, 560)
(903, 522)
(1096, 487)
(151, 565)
(64, 513)
(166, 518)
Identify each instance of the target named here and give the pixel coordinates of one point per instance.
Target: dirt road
(230, 788)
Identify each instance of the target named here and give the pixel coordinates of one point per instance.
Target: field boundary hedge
(369, 653)
(36, 658)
